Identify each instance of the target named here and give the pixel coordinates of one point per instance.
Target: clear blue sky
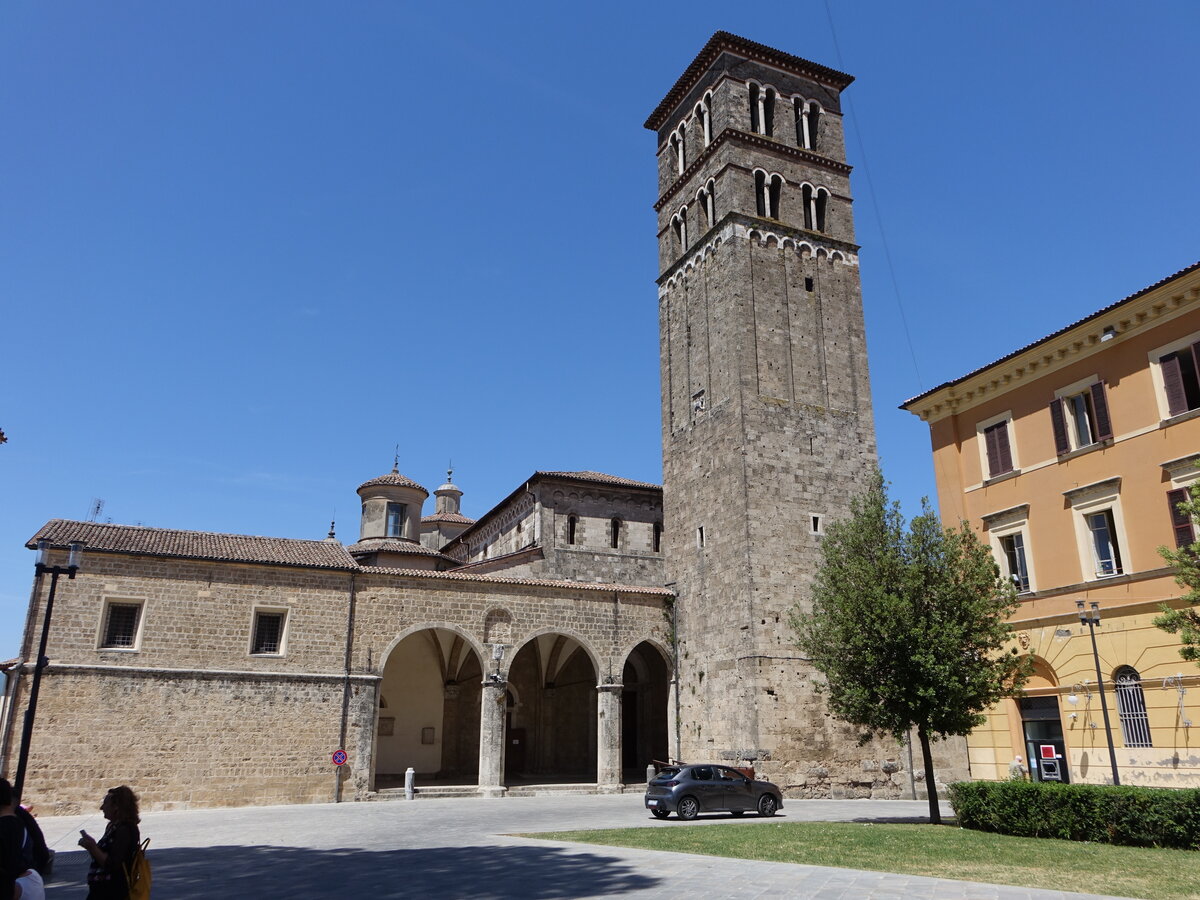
(247, 248)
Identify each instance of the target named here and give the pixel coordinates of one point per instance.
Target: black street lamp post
(73, 560)
(1091, 618)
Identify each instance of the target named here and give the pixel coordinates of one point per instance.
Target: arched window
(813, 125)
(799, 117)
(572, 528)
(677, 147)
(1131, 707)
(679, 224)
(768, 112)
(614, 533)
(767, 192)
(706, 118)
(657, 539)
(755, 108)
(815, 204)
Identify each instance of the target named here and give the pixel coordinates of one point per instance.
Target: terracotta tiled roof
(143, 541)
(384, 545)
(1050, 337)
(722, 41)
(452, 518)
(601, 478)
(394, 479)
(530, 582)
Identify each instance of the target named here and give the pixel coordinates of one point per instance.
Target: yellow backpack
(137, 873)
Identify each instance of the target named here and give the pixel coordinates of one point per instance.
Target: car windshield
(666, 774)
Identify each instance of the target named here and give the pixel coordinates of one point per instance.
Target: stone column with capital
(492, 706)
(608, 738)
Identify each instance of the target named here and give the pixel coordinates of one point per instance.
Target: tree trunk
(935, 812)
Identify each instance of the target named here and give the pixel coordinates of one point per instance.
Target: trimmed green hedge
(1133, 816)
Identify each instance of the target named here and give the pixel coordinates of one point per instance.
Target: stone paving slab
(469, 848)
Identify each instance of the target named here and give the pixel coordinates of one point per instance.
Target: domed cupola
(391, 507)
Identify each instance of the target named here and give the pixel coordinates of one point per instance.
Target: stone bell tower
(766, 403)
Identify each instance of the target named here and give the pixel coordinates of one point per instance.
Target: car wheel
(767, 805)
(689, 808)
(660, 813)
(737, 812)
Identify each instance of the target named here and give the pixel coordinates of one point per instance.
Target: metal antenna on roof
(450, 472)
(396, 461)
(331, 536)
(97, 507)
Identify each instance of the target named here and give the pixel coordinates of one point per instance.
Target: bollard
(650, 772)
(409, 790)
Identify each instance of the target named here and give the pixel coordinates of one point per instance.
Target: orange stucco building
(1067, 457)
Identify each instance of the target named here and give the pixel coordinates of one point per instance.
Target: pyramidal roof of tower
(722, 41)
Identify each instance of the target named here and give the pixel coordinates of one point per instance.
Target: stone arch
(645, 699)
(470, 640)
(432, 677)
(565, 632)
(551, 736)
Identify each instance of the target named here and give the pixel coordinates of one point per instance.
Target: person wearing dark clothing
(17, 877)
(41, 854)
(113, 854)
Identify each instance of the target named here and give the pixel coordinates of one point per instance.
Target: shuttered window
(1180, 379)
(999, 453)
(1080, 420)
(1181, 522)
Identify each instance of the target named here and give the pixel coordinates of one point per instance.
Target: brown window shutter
(1006, 463)
(1173, 382)
(1061, 443)
(1104, 430)
(1181, 522)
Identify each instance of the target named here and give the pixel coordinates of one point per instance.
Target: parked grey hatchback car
(688, 790)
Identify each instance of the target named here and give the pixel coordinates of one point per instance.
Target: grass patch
(936, 851)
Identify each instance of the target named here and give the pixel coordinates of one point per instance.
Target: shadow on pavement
(296, 872)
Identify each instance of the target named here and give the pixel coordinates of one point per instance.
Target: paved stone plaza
(464, 848)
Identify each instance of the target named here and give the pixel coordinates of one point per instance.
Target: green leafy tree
(908, 626)
(1186, 563)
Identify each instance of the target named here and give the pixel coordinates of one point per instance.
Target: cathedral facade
(585, 626)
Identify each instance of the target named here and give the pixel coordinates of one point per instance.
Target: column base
(493, 792)
(610, 788)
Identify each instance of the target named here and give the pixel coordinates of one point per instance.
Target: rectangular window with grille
(121, 626)
(268, 633)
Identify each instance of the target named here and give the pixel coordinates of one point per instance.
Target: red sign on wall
(1047, 751)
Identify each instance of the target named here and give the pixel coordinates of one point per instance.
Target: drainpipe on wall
(675, 664)
(337, 771)
(12, 677)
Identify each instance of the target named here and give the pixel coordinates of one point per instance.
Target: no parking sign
(339, 757)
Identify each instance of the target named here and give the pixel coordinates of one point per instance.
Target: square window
(268, 633)
(121, 622)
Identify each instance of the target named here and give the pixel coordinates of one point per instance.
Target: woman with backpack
(113, 855)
